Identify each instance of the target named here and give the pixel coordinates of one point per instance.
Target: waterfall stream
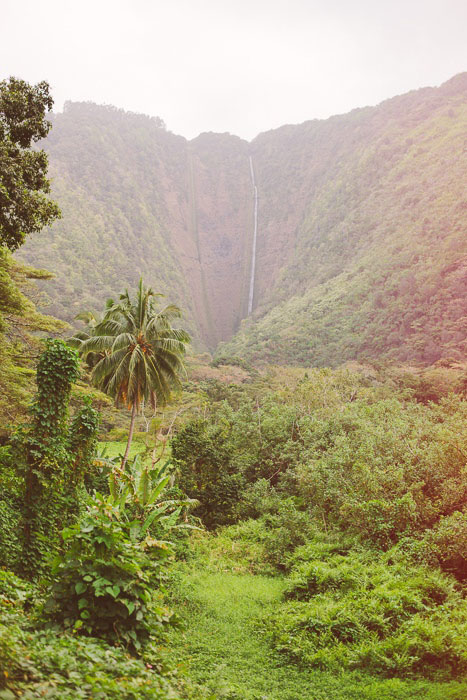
(253, 251)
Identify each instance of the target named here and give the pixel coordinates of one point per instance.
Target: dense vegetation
(91, 535)
(24, 206)
(337, 498)
(274, 532)
(24, 209)
(353, 490)
(361, 240)
(83, 544)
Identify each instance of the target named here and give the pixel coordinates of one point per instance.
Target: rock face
(221, 212)
(362, 223)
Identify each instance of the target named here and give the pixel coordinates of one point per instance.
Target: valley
(355, 241)
(233, 461)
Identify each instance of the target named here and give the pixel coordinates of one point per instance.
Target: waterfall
(253, 251)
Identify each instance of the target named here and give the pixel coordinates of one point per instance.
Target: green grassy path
(223, 649)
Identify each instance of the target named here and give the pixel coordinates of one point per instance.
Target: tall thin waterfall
(253, 252)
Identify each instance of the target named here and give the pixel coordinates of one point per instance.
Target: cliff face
(139, 200)
(221, 197)
(362, 222)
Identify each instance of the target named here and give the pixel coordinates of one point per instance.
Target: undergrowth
(226, 646)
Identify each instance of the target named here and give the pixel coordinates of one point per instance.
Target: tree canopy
(140, 352)
(24, 206)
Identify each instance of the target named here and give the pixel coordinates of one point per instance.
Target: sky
(238, 66)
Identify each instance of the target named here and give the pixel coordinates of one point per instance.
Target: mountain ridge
(330, 192)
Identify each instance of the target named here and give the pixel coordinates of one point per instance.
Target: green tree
(19, 344)
(91, 321)
(141, 353)
(24, 206)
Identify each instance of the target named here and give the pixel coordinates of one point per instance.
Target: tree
(140, 352)
(20, 323)
(91, 321)
(24, 207)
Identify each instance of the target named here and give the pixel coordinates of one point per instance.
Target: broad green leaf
(158, 489)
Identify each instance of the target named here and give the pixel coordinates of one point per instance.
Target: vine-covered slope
(362, 222)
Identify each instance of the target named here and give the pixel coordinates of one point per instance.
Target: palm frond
(96, 343)
(142, 352)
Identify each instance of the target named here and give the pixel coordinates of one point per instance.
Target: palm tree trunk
(130, 435)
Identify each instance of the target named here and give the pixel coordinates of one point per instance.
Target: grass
(223, 649)
(116, 448)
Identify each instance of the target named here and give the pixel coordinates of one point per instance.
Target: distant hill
(362, 227)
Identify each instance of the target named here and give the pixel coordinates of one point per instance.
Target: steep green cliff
(362, 227)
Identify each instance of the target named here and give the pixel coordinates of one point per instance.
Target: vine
(53, 457)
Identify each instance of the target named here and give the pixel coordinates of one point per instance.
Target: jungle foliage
(97, 558)
(24, 206)
(24, 209)
(134, 353)
(354, 490)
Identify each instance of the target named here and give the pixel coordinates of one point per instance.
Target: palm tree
(140, 353)
(91, 321)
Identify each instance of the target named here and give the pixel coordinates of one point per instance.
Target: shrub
(284, 531)
(382, 522)
(370, 468)
(51, 457)
(10, 511)
(206, 473)
(44, 664)
(446, 544)
(360, 610)
(106, 582)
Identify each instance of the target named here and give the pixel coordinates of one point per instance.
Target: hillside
(361, 249)
(137, 199)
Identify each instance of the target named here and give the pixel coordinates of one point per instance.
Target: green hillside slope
(361, 247)
(378, 265)
(110, 171)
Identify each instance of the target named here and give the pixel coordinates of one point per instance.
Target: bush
(10, 520)
(45, 664)
(361, 610)
(51, 663)
(284, 532)
(205, 472)
(382, 522)
(446, 545)
(51, 456)
(370, 468)
(106, 582)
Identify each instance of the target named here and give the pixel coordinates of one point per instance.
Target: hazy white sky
(233, 65)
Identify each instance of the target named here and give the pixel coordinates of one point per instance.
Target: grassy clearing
(224, 649)
(116, 448)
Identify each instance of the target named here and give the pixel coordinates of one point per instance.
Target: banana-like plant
(136, 492)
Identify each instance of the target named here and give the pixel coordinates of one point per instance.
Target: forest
(284, 519)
